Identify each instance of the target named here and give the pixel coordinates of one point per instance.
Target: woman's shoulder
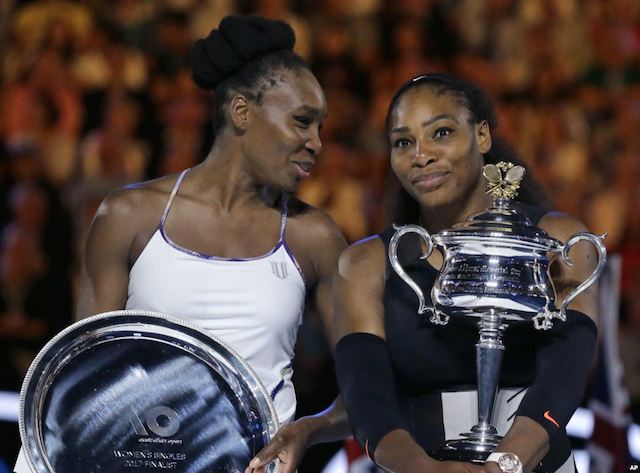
(364, 257)
(136, 203)
(311, 223)
(561, 225)
(314, 238)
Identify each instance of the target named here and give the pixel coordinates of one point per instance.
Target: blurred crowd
(98, 94)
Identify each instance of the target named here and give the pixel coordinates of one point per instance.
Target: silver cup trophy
(496, 270)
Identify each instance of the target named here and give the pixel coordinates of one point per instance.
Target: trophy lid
(502, 221)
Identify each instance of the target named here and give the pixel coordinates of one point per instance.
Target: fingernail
(254, 463)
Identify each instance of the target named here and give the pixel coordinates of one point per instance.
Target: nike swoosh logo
(551, 419)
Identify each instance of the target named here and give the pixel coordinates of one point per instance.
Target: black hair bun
(238, 40)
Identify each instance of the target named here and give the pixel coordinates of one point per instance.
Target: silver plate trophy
(495, 269)
(141, 391)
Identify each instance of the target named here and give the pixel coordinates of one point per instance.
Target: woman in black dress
(397, 373)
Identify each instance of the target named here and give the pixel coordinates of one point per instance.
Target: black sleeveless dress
(429, 360)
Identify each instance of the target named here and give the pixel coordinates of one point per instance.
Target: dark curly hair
(243, 55)
(480, 106)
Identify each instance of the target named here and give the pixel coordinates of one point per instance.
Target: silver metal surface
(496, 267)
(141, 391)
(489, 353)
(496, 260)
(598, 241)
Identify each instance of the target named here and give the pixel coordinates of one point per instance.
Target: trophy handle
(393, 258)
(598, 241)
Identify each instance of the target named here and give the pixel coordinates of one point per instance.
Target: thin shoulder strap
(283, 218)
(172, 196)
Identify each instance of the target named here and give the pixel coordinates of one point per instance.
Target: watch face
(509, 463)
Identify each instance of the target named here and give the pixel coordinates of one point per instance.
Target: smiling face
(436, 150)
(281, 140)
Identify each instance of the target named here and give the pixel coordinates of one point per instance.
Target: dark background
(97, 94)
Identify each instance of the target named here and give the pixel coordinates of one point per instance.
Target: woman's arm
(564, 356)
(322, 240)
(292, 440)
(104, 273)
(364, 370)
(584, 257)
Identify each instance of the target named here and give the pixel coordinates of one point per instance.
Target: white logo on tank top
(280, 269)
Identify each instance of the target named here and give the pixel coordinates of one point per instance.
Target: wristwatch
(508, 462)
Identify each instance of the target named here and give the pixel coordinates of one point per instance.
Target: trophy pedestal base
(471, 450)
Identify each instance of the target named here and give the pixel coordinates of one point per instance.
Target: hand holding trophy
(495, 270)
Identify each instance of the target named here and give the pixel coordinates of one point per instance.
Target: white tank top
(253, 304)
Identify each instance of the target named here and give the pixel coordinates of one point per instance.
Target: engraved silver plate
(132, 390)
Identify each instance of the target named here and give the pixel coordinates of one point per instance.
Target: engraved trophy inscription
(496, 270)
(134, 390)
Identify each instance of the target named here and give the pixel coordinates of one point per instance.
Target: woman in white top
(223, 244)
